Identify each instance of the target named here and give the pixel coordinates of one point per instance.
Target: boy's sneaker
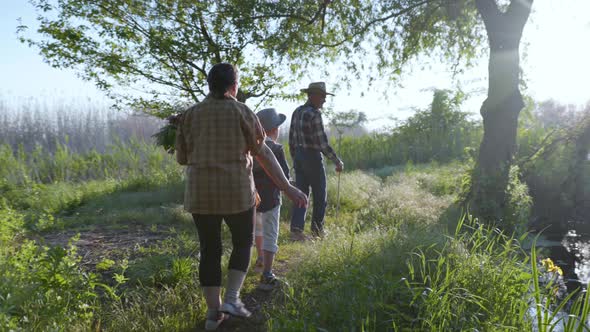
(268, 281)
(235, 309)
(213, 323)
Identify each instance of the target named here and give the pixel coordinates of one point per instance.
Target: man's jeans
(309, 172)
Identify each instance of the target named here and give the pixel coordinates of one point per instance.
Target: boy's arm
(269, 163)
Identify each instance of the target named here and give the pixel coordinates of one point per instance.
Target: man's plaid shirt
(216, 139)
(307, 131)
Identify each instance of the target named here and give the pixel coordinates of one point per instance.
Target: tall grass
(120, 160)
(79, 126)
(393, 261)
(391, 264)
(46, 288)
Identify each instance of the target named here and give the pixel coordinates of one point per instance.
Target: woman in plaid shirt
(216, 139)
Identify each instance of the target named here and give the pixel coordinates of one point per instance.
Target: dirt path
(95, 245)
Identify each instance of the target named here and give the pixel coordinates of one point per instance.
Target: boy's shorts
(267, 225)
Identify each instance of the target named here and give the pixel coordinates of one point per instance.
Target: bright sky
(556, 63)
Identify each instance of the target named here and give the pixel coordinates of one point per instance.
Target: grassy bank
(112, 249)
(394, 262)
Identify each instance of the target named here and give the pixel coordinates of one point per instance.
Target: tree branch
(490, 13)
(375, 21)
(171, 55)
(212, 44)
(256, 95)
(309, 21)
(518, 12)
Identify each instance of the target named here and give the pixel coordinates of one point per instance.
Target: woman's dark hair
(221, 77)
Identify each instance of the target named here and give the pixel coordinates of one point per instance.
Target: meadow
(97, 239)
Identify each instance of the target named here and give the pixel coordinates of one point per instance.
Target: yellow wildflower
(551, 267)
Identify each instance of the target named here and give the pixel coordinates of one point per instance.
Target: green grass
(393, 259)
(392, 264)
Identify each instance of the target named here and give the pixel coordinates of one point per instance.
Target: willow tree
(166, 46)
(397, 31)
(153, 55)
(502, 107)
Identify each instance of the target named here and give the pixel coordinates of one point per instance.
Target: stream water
(569, 248)
(571, 251)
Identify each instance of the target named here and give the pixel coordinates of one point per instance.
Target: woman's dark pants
(241, 227)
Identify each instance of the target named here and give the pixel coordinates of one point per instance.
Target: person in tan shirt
(216, 139)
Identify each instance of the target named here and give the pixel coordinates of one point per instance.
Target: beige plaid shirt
(216, 139)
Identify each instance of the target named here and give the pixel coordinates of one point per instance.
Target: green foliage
(388, 262)
(169, 308)
(47, 288)
(160, 270)
(166, 137)
(11, 223)
(166, 47)
(105, 264)
(442, 282)
(553, 166)
(519, 203)
(43, 288)
(441, 133)
(511, 215)
(357, 189)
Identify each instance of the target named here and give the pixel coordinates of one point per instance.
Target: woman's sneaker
(211, 324)
(268, 281)
(235, 309)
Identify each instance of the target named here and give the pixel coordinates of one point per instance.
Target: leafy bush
(44, 288)
(441, 133)
(553, 148)
(518, 208)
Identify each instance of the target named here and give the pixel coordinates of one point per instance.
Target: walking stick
(338, 197)
(338, 187)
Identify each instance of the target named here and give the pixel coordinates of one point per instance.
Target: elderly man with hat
(269, 209)
(307, 143)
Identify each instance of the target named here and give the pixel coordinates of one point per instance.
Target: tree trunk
(501, 108)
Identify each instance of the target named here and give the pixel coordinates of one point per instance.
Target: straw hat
(317, 87)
